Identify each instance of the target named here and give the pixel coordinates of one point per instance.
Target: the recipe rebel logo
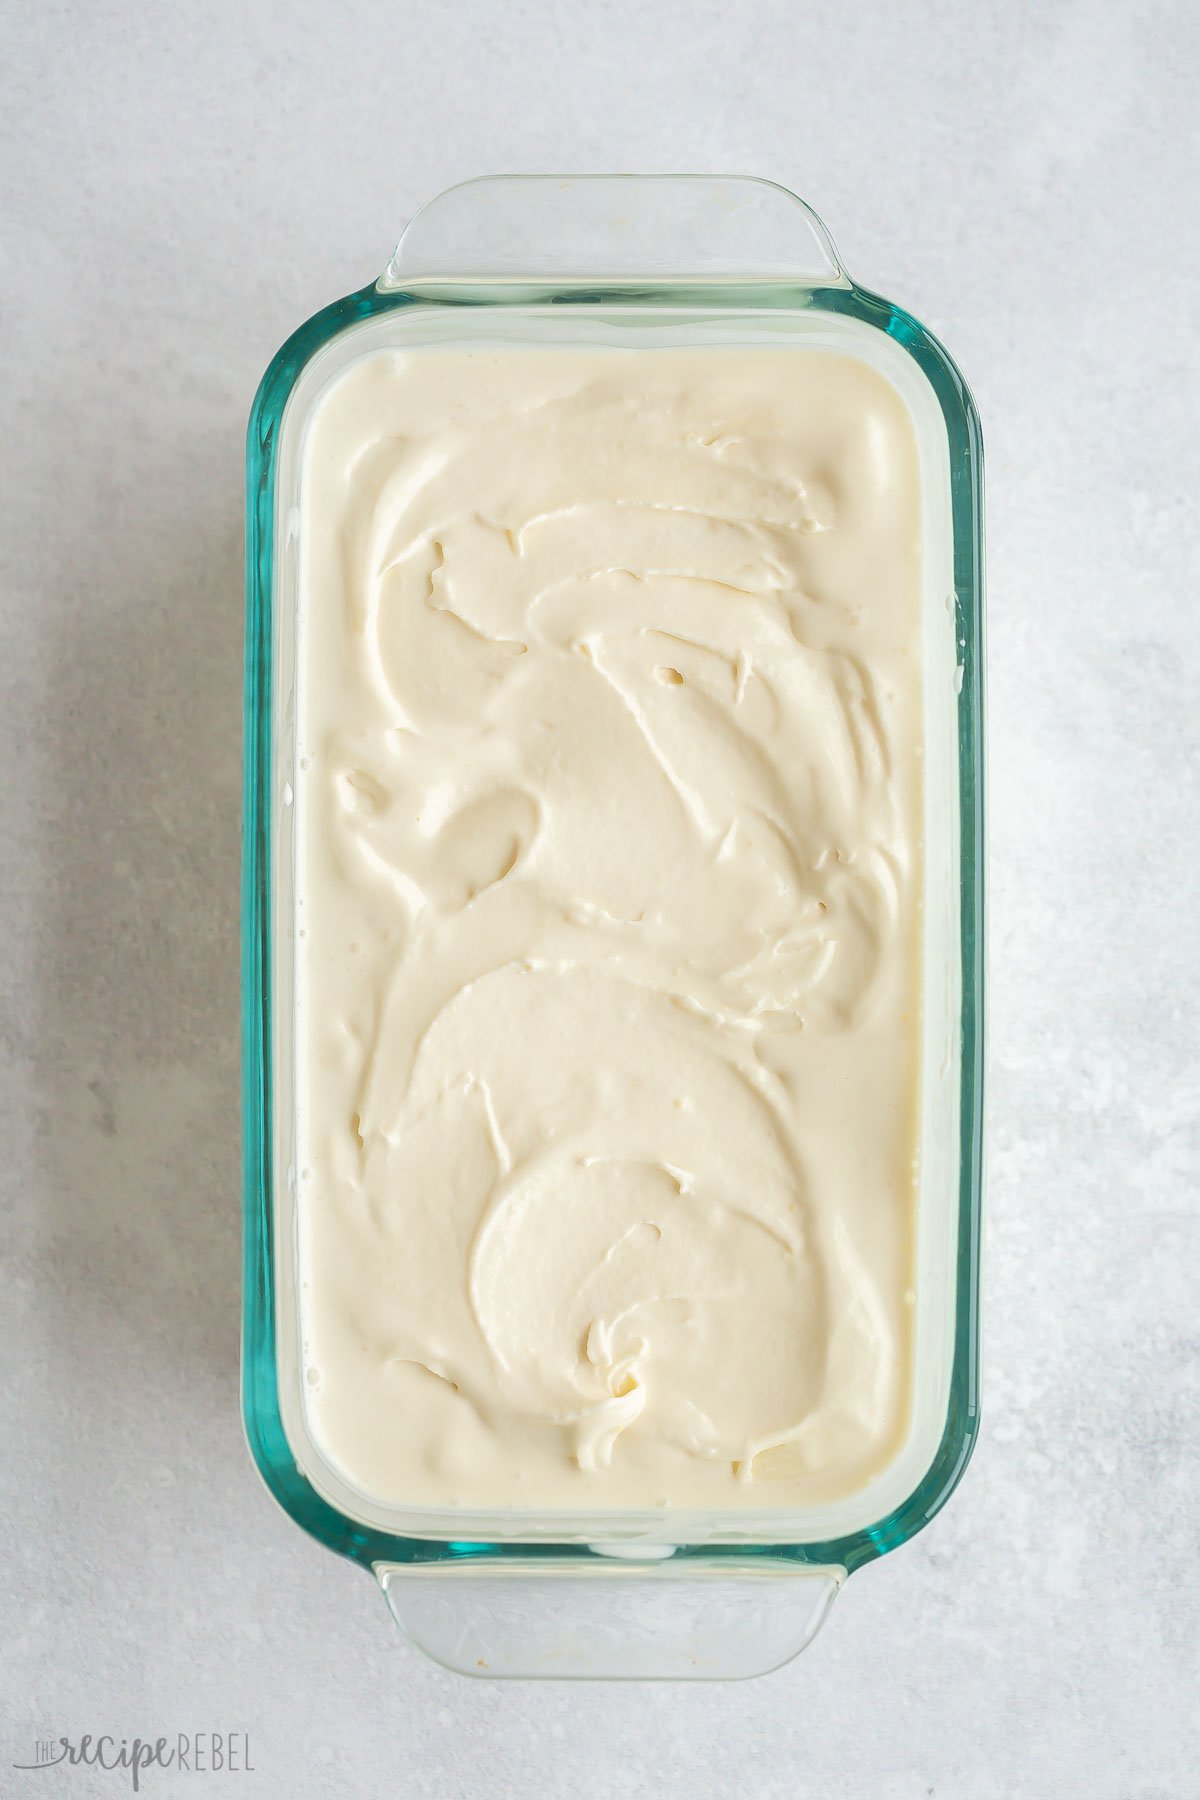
(187, 1752)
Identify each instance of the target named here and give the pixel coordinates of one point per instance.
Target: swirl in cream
(610, 721)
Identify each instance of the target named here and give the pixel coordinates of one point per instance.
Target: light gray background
(183, 185)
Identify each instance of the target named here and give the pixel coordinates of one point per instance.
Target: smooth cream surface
(608, 958)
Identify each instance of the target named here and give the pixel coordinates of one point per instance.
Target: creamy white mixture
(608, 955)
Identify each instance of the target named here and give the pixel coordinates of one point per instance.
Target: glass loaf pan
(635, 261)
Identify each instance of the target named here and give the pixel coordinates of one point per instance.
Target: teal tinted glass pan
(636, 262)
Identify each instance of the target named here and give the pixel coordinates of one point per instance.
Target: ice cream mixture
(607, 935)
